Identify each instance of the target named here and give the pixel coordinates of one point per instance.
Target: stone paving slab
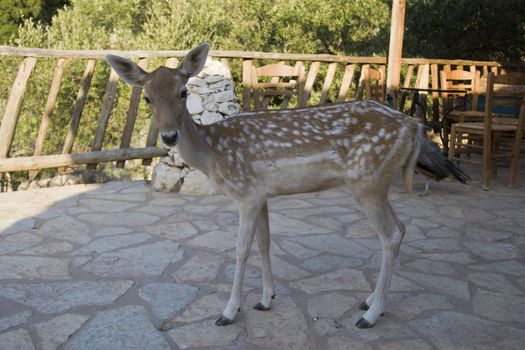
(106, 266)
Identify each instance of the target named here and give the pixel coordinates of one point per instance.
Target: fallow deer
(255, 156)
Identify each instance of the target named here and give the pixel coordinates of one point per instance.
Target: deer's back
(309, 149)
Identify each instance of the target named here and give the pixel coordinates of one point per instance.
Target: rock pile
(211, 95)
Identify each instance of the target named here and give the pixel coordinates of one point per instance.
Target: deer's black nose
(170, 139)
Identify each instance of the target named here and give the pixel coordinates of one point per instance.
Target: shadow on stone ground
(102, 266)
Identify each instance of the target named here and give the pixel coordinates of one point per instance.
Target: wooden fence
(328, 79)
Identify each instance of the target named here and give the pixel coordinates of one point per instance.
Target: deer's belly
(301, 173)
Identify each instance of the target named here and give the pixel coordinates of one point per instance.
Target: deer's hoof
(362, 323)
(166, 326)
(259, 306)
(364, 306)
(223, 321)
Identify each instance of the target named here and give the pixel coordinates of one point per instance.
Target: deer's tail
(429, 159)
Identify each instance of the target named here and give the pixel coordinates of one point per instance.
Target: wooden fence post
(48, 110)
(423, 84)
(345, 83)
(247, 66)
(107, 106)
(14, 104)
(328, 81)
(310, 80)
(85, 83)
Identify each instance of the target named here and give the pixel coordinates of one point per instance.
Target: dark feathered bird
(432, 163)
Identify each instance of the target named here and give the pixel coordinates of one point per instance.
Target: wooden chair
(501, 138)
(372, 84)
(277, 82)
(462, 81)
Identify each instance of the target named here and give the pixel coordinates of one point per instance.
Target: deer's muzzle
(170, 139)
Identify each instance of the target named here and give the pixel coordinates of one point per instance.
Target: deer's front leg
(248, 215)
(263, 241)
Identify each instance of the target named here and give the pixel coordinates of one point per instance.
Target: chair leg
(452, 148)
(516, 149)
(257, 100)
(496, 143)
(487, 164)
(446, 135)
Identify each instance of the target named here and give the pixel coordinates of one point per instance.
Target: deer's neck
(193, 149)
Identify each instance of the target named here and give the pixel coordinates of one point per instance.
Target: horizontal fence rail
(60, 160)
(328, 78)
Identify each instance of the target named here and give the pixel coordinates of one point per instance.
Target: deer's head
(164, 89)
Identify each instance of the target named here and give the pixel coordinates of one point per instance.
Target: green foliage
(95, 24)
(479, 30)
(333, 27)
(309, 26)
(12, 13)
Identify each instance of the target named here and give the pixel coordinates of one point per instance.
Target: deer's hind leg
(390, 231)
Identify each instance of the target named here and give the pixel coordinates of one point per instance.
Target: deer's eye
(184, 93)
(147, 100)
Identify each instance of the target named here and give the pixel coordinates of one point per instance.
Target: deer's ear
(127, 70)
(194, 61)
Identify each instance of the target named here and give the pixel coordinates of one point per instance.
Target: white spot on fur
(239, 155)
(357, 138)
(353, 173)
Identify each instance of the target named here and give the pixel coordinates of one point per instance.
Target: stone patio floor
(102, 266)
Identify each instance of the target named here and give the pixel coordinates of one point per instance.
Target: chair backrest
(460, 80)
(277, 79)
(505, 90)
(372, 84)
